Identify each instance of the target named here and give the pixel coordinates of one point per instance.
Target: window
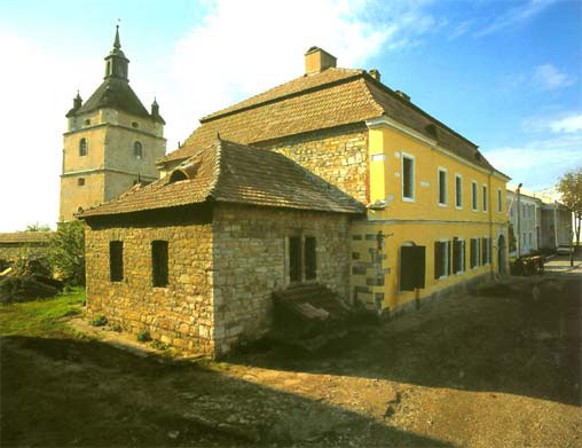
(442, 266)
(485, 251)
(159, 263)
(412, 267)
(83, 147)
(475, 252)
(87, 122)
(499, 201)
(442, 186)
(138, 150)
(81, 181)
(407, 178)
(474, 198)
(485, 202)
(115, 261)
(135, 124)
(458, 191)
(458, 255)
(302, 258)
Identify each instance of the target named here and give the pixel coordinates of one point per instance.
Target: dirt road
(501, 368)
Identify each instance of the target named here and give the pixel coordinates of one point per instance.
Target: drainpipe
(556, 223)
(518, 191)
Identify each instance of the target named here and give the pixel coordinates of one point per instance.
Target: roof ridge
(213, 188)
(231, 110)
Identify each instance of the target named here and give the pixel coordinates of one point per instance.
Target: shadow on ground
(60, 392)
(522, 338)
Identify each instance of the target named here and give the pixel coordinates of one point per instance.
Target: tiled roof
(232, 173)
(332, 98)
(114, 93)
(25, 237)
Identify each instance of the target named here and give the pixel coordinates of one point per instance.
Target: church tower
(112, 141)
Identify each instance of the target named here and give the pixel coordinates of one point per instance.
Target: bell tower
(112, 141)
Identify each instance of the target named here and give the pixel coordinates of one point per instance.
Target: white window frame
(485, 197)
(446, 177)
(477, 255)
(459, 191)
(413, 176)
(474, 196)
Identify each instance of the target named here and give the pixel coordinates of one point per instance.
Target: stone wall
(251, 261)
(180, 314)
(14, 252)
(339, 155)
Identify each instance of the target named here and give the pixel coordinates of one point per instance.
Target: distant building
(23, 245)
(112, 141)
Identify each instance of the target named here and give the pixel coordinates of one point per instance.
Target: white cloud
(516, 16)
(568, 124)
(548, 77)
(536, 160)
(243, 48)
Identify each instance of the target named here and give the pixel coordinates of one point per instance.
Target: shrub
(24, 289)
(144, 336)
(99, 321)
(66, 252)
(116, 327)
(159, 345)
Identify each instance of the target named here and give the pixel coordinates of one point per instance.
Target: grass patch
(42, 318)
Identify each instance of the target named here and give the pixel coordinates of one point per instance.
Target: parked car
(564, 250)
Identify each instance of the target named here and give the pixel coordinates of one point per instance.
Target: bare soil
(499, 367)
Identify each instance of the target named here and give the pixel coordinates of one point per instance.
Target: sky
(506, 74)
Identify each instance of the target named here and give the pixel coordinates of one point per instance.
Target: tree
(570, 186)
(66, 252)
(37, 227)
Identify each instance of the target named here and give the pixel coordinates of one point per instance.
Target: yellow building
(329, 186)
(112, 141)
(436, 206)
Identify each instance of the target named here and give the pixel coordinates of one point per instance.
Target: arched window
(138, 150)
(83, 147)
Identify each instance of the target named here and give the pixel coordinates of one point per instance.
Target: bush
(25, 288)
(66, 252)
(144, 336)
(99, 321)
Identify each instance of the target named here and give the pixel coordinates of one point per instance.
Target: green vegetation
(570, 186)
(67, 252)
(144, 336)
(42, 318)
(99, 321)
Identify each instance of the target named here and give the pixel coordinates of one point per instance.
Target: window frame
(475, 253)
(474, 196)
(138, 150)
(445, 265)
(83, 147)
(459, 191)
(499, 201)
(463, 267)
(442, 186)
(301, 260)
(412, 186)
(485, 198)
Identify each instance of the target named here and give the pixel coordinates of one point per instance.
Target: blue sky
(505, 74)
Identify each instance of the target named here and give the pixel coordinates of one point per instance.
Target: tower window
(81, 182)
(138, 150)
(135, 124)
(87, 122)
(83, 147)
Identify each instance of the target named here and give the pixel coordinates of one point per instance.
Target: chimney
(401, 94)
(374, 73)
(318, 60)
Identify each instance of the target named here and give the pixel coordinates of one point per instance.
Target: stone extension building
(332, 178)
(112, 141)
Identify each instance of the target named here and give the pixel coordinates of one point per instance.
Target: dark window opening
(485, 201)
(83, 147)
(458, 255)
(442, 187)
(441, 259)
(81, 181)
(159, 263)
(302, 258)
(135, 124)
(87, 122)
(138, 150)
(412, 267)
(310, 259)
(407, 177)
(295, 258)
(485, 250)
(458, 191)
(474, 252)
(116, 261)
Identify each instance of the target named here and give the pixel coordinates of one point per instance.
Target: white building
(525, 218)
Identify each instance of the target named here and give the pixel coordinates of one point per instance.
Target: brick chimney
(318, 60)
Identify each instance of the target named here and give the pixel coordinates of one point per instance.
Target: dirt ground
(499, 367)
